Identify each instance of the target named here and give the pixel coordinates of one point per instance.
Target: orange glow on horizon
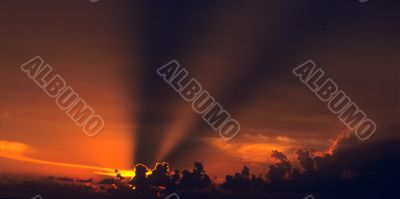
(16, 150)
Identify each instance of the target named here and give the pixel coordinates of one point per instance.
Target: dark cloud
(279, 171)
(305, 159)
(367, 170)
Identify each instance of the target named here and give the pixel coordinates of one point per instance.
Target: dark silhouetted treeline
(350, 170)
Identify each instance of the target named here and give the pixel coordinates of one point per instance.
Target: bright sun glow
(15, 151)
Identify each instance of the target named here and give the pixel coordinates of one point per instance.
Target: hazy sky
(242, 52)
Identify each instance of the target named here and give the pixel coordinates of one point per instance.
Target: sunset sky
(242, 54)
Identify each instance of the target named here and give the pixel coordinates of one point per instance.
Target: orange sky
(94, 49)
(29, 116)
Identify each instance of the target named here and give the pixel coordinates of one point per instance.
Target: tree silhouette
(160, 175)
(280, 170)
(198, 179)
(140, 182)
(243, 181)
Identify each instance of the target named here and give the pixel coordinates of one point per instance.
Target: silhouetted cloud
(305, 159)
